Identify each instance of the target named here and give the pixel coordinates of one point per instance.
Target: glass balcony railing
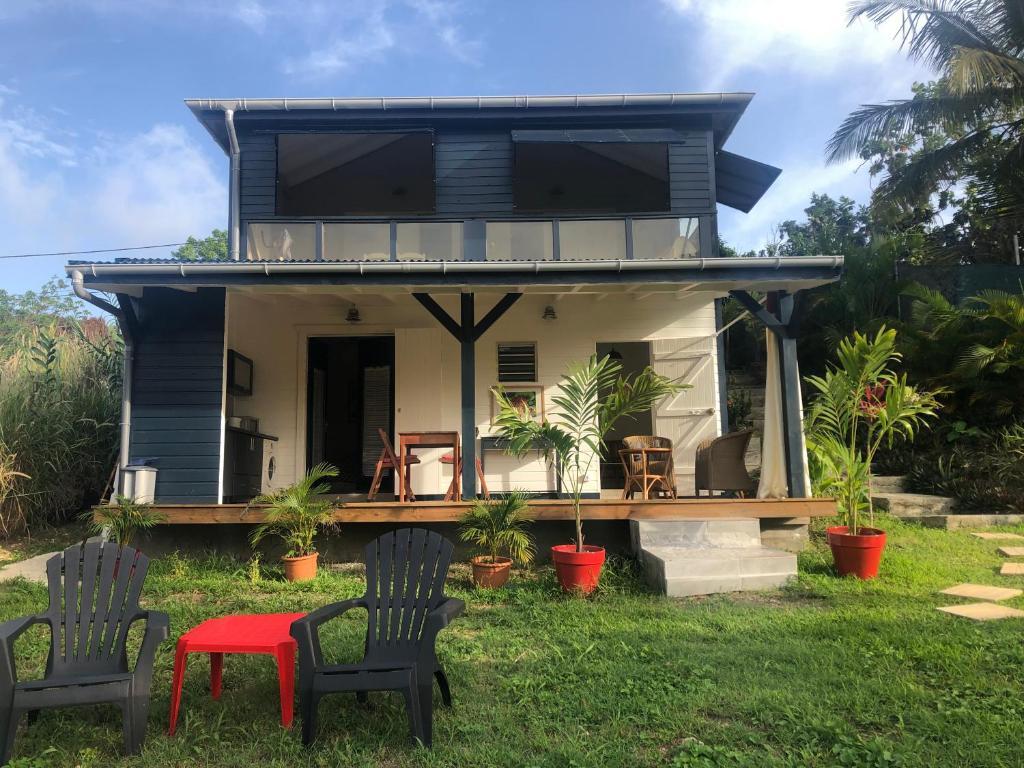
(566, 240)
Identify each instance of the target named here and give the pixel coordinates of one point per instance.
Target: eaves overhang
(797, 272)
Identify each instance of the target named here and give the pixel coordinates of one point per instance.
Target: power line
(85, 253)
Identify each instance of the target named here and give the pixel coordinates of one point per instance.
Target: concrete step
(889, 484)
(682, 572)
(727, 532)
(701, 557)
(913, 504)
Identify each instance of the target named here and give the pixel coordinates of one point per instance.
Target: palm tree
(499, 525)
(298, 512)
(590, 400)
(977, 46)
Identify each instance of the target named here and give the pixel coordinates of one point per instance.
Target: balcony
(442, 241)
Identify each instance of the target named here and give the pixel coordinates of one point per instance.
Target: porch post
(792, 425)
(468, 344)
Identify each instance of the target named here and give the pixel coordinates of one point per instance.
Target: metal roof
(725, 108)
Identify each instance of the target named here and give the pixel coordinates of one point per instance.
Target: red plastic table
(254, 633)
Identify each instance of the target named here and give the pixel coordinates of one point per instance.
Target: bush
(984, 472)
(59, 404)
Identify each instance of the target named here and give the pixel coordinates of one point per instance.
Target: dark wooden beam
(439, 314)
(753, 306)
(468, 307)
(789, 378)
(499, 309)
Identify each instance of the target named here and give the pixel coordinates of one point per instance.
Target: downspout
(234, 187)
(78, 286)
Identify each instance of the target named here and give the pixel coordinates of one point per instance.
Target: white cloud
(442, 16)
(808, 37)
(155, 187)
(58, 193)
(372, 37)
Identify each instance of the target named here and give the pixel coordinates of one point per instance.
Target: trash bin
(138, 482)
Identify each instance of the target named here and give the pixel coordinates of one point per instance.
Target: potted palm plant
(123, 519)
(498, 527)
(860, 404)
(590, 400)
(296, 514)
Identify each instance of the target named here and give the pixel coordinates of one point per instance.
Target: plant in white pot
(860, 404)
(589, 401)
(295, 515)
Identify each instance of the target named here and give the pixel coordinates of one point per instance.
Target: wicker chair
(719, 465)
(648, 466)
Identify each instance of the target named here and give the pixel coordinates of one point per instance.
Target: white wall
(273, 330)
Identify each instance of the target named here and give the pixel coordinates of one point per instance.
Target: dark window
(339, 174)
(591, 177)
(517, 362)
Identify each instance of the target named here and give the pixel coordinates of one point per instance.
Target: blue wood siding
(177, 391)
(473, 169)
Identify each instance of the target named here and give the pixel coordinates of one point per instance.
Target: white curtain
(772, 484)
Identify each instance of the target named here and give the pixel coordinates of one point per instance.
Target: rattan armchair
(719, 465)
(648, 466)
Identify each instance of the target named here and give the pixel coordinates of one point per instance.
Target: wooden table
(407, 441)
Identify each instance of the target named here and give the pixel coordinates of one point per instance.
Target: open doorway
(350, 395)
(634, 357)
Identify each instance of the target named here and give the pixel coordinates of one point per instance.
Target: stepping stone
(982, 611)
(1012, 569)
(998, 536)
(982, 592)
(1012, 551)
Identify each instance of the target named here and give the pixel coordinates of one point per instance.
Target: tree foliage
(213, 247)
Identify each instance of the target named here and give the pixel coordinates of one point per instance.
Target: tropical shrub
(59, 403)
(859, 405)
(123, 519)
(295, 514)
(590, 400)
(499, 527)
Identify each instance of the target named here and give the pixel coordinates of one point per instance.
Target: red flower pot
(578, 572)
(858, 554)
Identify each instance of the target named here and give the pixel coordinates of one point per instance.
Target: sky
(97, 149)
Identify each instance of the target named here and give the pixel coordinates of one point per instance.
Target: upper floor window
(592, 171)
(344, 174)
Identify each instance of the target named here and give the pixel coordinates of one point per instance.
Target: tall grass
(59, 403)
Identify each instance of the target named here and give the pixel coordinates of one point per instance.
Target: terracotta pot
(491, 574)
(578, 572)
(858, 554)
(301, 568)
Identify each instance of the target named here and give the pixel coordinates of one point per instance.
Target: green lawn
(828, 672)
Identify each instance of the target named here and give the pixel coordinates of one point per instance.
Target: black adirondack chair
(94, 600)
(406, 608)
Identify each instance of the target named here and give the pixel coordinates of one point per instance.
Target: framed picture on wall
(528, 398)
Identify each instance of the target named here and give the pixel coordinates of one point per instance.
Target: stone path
(33, 569)
(988, 536)
(982, 592)
(983, 611)
(990, 611)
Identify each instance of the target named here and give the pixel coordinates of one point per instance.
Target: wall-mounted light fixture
(549, 313)
(353, 315)
(614, 354)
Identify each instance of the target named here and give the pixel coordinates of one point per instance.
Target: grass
(828, 672)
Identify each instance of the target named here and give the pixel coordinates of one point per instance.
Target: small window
(517, 362)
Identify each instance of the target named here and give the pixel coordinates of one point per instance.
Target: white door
(690, 416)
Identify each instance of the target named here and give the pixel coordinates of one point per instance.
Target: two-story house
(392, 260)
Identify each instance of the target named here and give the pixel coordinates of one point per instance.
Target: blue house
(392, 260)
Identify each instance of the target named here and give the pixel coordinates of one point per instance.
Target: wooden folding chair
(388, 460)
(451, 495)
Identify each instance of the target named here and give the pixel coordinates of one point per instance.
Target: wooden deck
(593, 509)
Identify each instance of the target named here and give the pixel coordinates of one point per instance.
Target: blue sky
(97, 149)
